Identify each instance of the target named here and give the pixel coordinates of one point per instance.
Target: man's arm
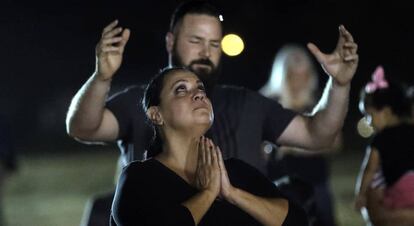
(87, 117)
(318, 130)
(295, 151)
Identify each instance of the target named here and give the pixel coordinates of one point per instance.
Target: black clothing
(308, 181)
(305, 179)
(243, 119)
(149, 193)
(396, 148)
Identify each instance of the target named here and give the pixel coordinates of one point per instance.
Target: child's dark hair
(200, 7)
(382, 93)
(152, 97)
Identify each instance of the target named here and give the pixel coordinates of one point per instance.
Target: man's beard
(208, 77)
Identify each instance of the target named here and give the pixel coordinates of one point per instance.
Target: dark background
(48, 51)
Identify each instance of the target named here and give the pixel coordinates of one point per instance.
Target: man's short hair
(193, 7)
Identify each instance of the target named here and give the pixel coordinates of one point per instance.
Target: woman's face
(298, 79)
(184, 103)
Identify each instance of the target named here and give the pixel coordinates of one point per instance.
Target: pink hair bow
(378, 81)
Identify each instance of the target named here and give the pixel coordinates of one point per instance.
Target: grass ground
(52, 189)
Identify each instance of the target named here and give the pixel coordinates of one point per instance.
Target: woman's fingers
(207, 156)
(220, 158)
(213, 153)
(203, 150)
(207, 173)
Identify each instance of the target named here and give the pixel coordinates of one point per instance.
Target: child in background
(388, 166)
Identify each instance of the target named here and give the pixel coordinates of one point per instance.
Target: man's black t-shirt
(243, 119)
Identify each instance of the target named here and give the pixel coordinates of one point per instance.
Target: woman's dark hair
(393, 96)
(201, 7)
(152, 97)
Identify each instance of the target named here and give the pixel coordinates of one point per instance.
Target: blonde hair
(290, 56)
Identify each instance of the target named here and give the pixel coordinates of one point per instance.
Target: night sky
(48, 50)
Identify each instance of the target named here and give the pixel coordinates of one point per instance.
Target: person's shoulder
(134, 165)
(235, 91)
(139, 168)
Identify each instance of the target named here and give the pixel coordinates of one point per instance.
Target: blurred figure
(294, 83)
(8, 162)
(293, 80)
(385, 187)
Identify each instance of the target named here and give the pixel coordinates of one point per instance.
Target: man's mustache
(203, 61)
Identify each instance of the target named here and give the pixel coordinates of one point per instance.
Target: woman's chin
(204, 124)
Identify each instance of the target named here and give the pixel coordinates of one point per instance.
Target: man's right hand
(110, 49)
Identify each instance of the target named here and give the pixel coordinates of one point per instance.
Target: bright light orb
(232, 45)
(364, 128)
